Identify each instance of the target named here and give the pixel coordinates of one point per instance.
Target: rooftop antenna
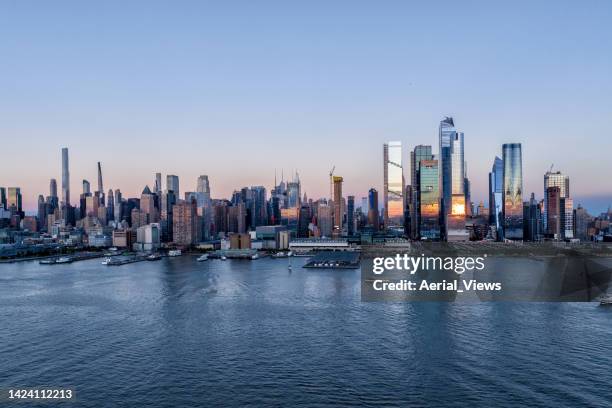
(331, 182)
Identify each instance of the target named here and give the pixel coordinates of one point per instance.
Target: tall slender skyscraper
(373, 217)
(512, 191)
(110, 205)
(65, 177)
(158, 184)
(447, 133)
(496, 187)
(118, 210)
(100, 185)
(393, 184)
(338, 208)
(350, 215)
(456, 212)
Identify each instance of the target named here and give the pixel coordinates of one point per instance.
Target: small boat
(256, 256)
(175, 252)
(223, 258)
(280, 255)
(106, 261)
(63, 260)
(202, 258)
(606, 300)
(47, 261)
(154, 257)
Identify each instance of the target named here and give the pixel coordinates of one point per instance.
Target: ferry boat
(63, 259)
(50, 261)
(175, 252)
(202, 258)
(106, 261)
(606, 300)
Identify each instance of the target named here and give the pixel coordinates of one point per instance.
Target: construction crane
(551, 167)
(331, 182)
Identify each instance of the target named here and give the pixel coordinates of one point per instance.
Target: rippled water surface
(182, 333)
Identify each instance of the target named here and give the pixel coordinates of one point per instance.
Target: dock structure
(334, 260)
(235, 254)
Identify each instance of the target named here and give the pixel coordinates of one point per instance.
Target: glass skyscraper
(447, 134)
(65, 177)
(393, 184)
(512, 191)
(496, 187)
(419, 154)
(172, 184)
(429, 226)
(373, 209)
(456, 210)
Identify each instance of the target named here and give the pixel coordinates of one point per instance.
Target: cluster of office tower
(435, 205)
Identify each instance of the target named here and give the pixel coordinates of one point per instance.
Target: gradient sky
(235, 89)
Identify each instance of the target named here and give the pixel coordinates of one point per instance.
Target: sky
(239, 89)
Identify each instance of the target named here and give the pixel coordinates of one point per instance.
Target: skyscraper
(373, 216)
(3, 203)
(118, 206)
(447, 133)
(259, 214)
(65, 178)
(304, 217)
(552, 202)
(185, 223)
(203, 185)
(294, 192)
(324, 220)
(419, 153)
(532, 220)
(172, 184)
(158, 183)
(455, 213)
(393, 185)
(100, 185)
(338, 208)
(350, 214)
(512, 191)
(147, 205)
(14, 201)
(567, 218)
(53, 188)
(86, 187)
(110, 207)
(496, 187)
(429, 226)
(556, 179)
(42, 212)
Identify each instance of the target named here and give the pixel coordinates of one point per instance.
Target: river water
(177, 333)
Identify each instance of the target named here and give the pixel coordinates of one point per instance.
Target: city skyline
(188, 185)
(236, 95)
